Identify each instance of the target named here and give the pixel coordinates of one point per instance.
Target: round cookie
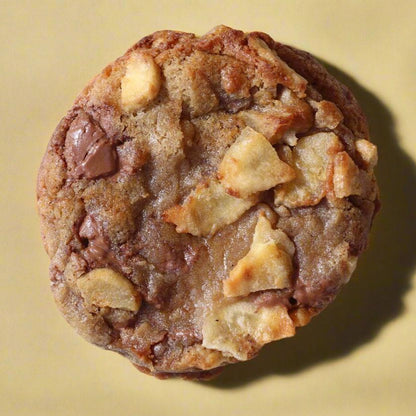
(205, 196)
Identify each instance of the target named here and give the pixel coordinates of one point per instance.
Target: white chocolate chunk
(252, 165)
(312, 159)
(368, 153)
(235, 327)
(267, 265)
(141, 83)
(105, 287)
(207, 209)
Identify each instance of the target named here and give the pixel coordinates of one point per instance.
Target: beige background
(358, 358)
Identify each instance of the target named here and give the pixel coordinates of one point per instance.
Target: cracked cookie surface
(205, 196)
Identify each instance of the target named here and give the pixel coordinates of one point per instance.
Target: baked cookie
(205, 196)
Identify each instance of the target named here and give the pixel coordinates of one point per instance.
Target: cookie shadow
(374, 296)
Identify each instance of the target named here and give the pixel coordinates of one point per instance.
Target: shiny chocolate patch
(88, 151)
(98, 250)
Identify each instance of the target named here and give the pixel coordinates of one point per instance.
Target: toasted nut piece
(207, 209)
(349, 179)
(251, 165)
(312, 159)
(235, 327)
(289, 77)
(267, 265)
(141, 83)
(105, 287)
(327, 114)
(368, 153)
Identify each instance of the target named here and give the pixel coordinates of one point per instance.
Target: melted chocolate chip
(88, 151)
(98, 250)
(100, 161)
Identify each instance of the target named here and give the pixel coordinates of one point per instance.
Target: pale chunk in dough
(367, 152)
(312, 159)
(264, 233)
(252, 165)
(270, 125)
(240, 328)
(280, 120)
(267, 265)
(141, 83)
(328, 115)
(207, 209)
(290, 78)
(105, 287)
(349, 179)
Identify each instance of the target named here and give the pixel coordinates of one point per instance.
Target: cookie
(205, 196)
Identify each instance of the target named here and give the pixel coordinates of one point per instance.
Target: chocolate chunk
(79, 138)
(98, 250)
(234, 105)
(88, 151)
(101, 160)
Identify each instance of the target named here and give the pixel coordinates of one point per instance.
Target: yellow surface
(357, 358)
